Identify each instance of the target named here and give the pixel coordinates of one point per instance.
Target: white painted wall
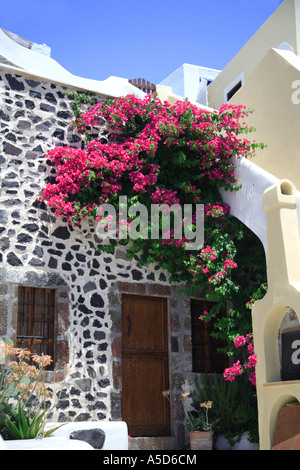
(185, 81)
(44, 67)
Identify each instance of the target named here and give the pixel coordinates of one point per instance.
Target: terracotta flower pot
(200, 440)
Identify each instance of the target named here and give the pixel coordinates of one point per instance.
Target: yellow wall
(268, 91)
(279, 28)
(283, 261)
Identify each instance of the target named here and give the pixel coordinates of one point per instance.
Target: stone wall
(39, 251)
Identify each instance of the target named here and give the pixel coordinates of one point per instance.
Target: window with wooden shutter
(206, 357)
(35, 328)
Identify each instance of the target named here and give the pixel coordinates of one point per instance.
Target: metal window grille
(35, 328)
(205, 354)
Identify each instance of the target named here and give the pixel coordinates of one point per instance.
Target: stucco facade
(271, 91)
(268, 67)
(280, 30)
(283, 260)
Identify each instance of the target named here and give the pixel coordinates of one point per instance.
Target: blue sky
(135, 38)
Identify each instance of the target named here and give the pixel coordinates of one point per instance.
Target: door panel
(145, 371)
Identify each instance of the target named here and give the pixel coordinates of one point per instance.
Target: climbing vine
(168, 155)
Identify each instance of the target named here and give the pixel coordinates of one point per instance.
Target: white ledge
(246, 203)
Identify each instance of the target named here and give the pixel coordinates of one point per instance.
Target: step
(151, 443)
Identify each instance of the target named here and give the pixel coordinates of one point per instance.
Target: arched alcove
(289, 346)
(282, 401)
(284, 418)
(282, 344)
(285, 46)
(286, 188)
(271, 349)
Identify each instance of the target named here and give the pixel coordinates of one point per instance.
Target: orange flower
(206, 404)
(42, 360)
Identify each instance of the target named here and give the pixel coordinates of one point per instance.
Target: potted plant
(199, 426)
(235, 408)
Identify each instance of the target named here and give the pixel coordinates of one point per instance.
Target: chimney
(283, 242)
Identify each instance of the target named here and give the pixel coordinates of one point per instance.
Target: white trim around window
(239, 78)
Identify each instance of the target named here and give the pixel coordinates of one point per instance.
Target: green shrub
(234, 406)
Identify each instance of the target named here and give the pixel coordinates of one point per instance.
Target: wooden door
(145, 372)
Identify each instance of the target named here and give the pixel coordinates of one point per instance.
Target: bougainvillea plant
(160, 153)
(238, 367)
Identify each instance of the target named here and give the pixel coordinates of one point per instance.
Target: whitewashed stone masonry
(38, 250)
